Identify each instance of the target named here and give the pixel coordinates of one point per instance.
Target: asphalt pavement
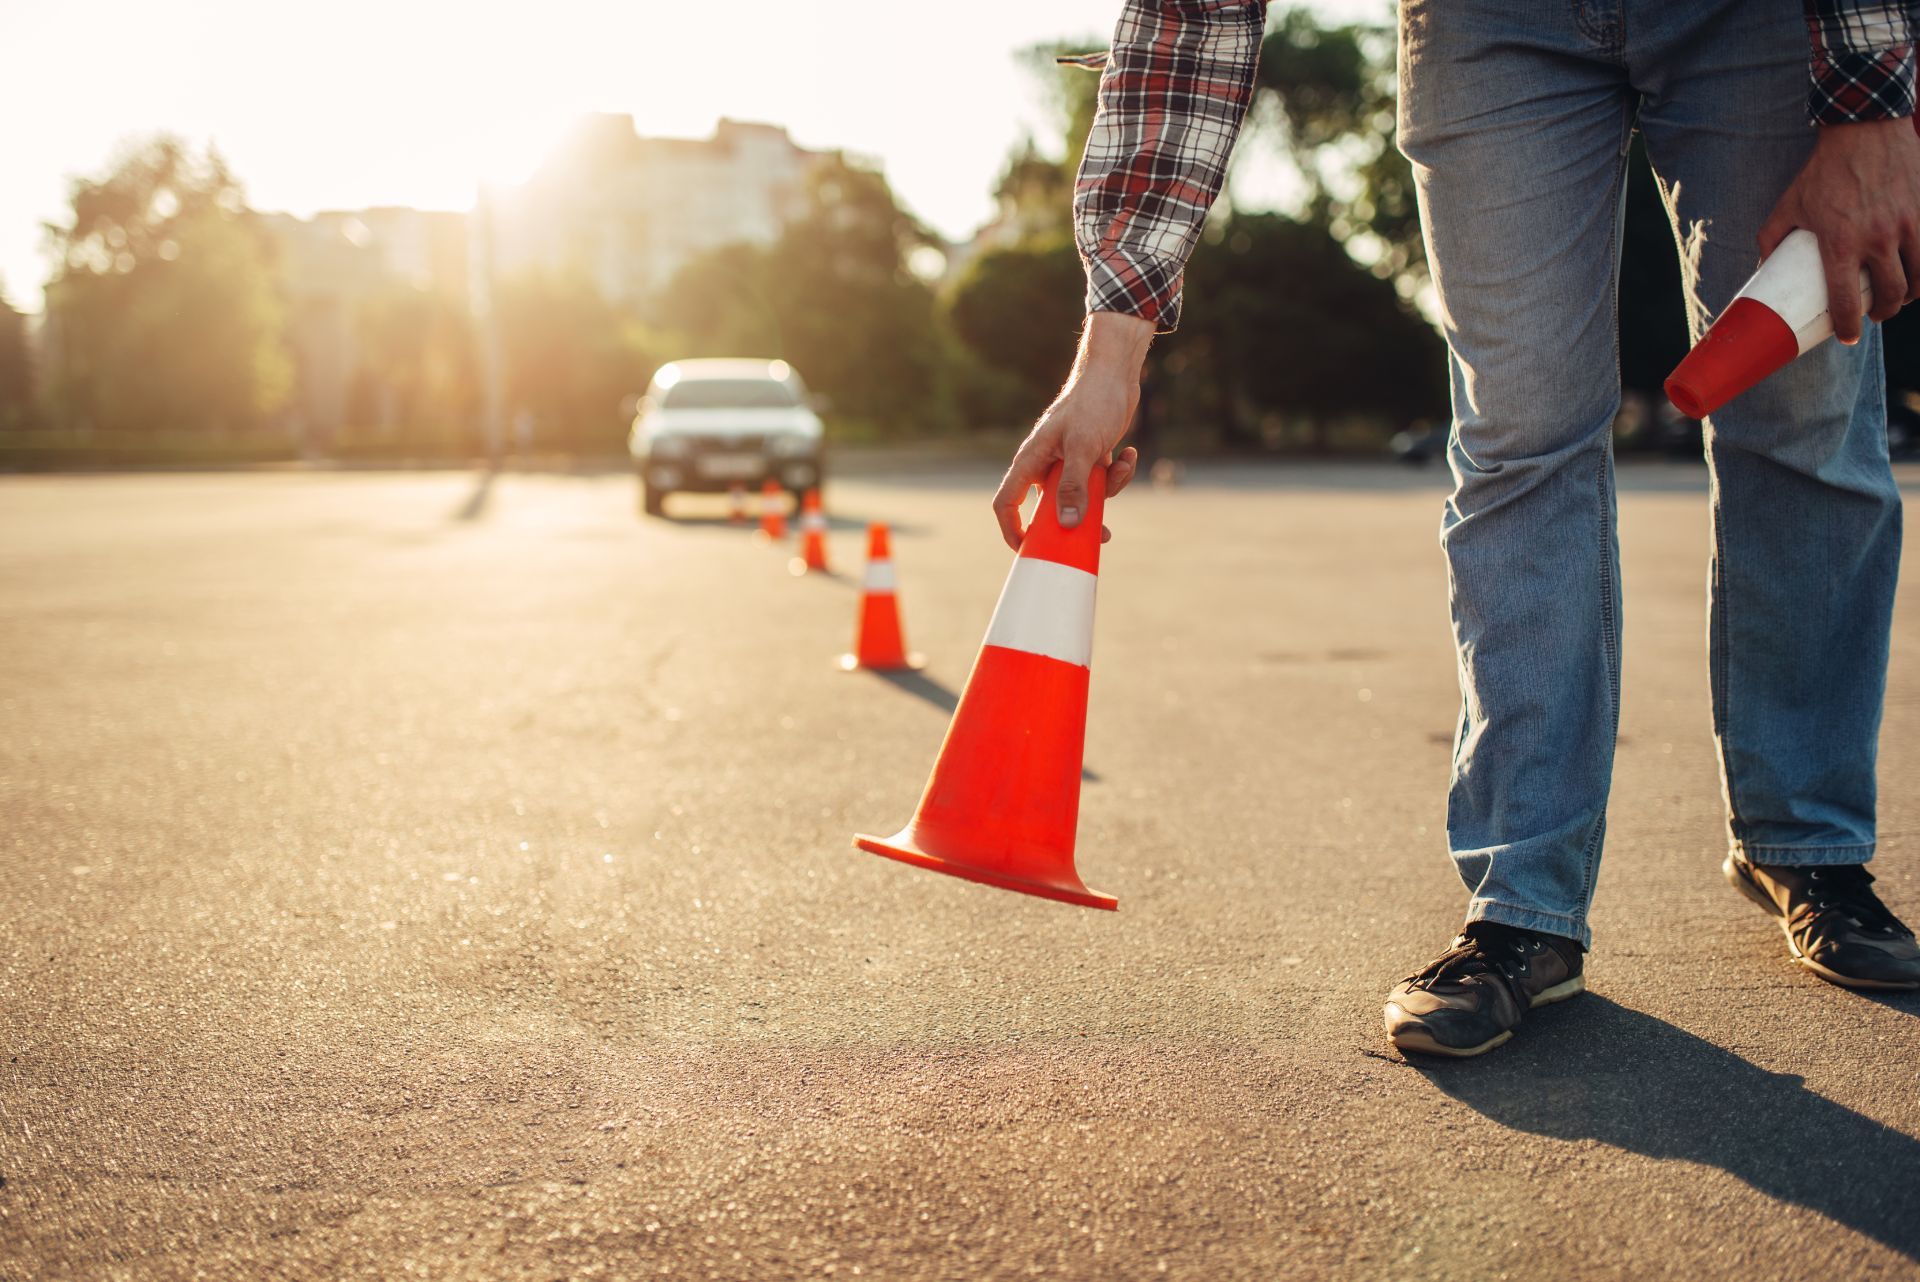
(421, 875)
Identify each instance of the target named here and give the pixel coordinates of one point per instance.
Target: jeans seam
(1798, 856)
(1849, 846)
(1609, 37)
(1722, 664)
(1609, 618)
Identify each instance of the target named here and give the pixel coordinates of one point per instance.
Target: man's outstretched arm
(1175, 89)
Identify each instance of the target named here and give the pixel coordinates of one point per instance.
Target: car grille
(707, 444)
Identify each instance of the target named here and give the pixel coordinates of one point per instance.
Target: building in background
(627, 212)
(339, 267)
(620, 212)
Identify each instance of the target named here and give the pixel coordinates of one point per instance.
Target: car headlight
(790, 445)
(668, 447)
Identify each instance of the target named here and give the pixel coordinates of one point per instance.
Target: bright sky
(411, 102)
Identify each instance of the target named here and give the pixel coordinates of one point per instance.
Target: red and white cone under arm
(1780, 314)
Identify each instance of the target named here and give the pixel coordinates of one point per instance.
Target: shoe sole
(1834, 977)
(1414, 1040)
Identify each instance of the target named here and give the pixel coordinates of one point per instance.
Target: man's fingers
(1774, 230)
(1012, 493)
(1889, 286)
(1071, 501)
(1121, 470)
(1007, 512)
(1843, 291)
(1106, 535)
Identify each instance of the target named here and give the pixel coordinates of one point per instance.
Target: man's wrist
(1863, 128)
(1114, 345)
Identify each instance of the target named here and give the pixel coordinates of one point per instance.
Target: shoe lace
(1847, 889)
(1481, 949)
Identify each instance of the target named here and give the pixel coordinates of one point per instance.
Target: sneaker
(1470, 998)
(1835, 925)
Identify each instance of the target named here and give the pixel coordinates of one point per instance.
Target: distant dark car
(1419, 444)
(1676, 435)
(1684, 437)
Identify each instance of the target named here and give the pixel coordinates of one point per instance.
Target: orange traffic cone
(813, 535)
(737, 505)
(878, 644)
(773, 517)
(1003, 802)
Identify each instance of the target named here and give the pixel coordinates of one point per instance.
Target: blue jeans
(1517, 118)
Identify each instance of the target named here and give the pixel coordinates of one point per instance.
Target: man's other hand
(1082, 426)
(1860, 195)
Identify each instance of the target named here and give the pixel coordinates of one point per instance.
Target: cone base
(913, 663)
(901, 846)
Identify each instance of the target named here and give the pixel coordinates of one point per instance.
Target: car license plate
(732, 465)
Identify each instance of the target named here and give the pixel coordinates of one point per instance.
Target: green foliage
(16, 369)
(570, 358)
(1073, 93)
(1327, 94)
(834, 297)
(164, 314)
(1035, 196)
(1018, 312)
(417, 363)
(1281, 325)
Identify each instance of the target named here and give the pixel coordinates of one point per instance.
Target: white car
(710, 425)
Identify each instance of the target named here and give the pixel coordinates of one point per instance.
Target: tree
(1071, 93)
(835, 297)
(571, 358)
(417, 362)
(164, 309)
(1018, 311)
(16, 368)
(1282, 325)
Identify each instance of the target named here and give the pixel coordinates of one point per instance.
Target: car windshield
(727, 394)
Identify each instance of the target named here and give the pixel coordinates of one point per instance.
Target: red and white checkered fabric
(1178, 80)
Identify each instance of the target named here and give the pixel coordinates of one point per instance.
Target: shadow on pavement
(1907, 1003)
(798, 569)
(922, 686)
(1594, 1069)
(750, 525)
(476, 505)
(835, 524)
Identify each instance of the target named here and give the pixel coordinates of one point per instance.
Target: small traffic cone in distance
(737, 505)
(773, 517)
(813, 535)
(1779, 314)
(1003, 802)
(878, 642)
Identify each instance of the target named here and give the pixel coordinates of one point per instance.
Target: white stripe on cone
(1046, 608)
(1793, 286)
(879, 577)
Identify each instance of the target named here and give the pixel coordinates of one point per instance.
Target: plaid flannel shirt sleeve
(1172, 95)
(1862, 62)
